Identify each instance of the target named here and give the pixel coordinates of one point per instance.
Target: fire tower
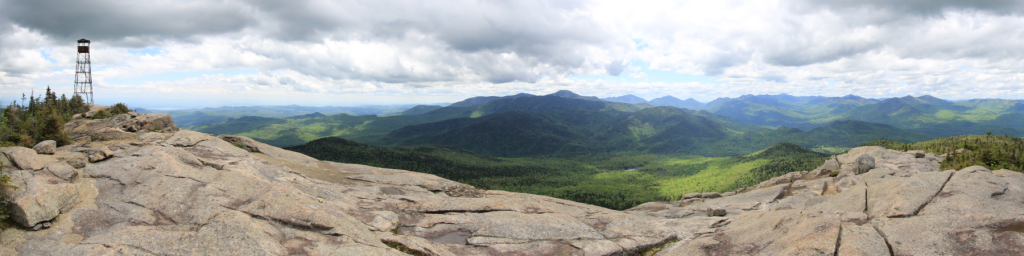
(83, 72)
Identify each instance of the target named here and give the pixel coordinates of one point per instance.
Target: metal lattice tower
(83, 72)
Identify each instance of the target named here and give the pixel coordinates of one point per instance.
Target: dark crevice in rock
(119, 182)
(183, 177)
(1015, 227)
(141, 249)
(785, 193)
(866, 202)
(435, 224)
(641, 249)
(886, 239)
(996, 195)
(159, 214)
(474, 211)
(309, 228)
(721, 223)
(839, 240)
(933, 196)
(655, 249)
(405, 249)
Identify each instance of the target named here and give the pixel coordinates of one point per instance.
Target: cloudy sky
(179, 54)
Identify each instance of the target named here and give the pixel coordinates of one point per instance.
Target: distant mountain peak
(480, 100)
(571, 95)
(628, 98)
(668, 97)
(676, 102)
(564, 94)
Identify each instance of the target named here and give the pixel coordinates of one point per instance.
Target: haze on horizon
(188, 53)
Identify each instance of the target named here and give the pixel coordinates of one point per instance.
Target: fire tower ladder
(83, 72)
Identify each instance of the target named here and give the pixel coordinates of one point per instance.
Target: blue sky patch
(154, 51)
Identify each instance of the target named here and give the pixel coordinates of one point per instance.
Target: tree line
(991, 151)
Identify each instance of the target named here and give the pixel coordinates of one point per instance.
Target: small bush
(100, 114)
(5, 188)
(239, 144)
(119, 108)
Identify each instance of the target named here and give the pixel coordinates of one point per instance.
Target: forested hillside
(613, 181)
(370, 128)
(659, 130)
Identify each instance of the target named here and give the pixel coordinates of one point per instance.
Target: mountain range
(563, 122)
(924, 114)
(204, 116)
(668, 101)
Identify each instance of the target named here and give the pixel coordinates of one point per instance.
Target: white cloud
(452, 50)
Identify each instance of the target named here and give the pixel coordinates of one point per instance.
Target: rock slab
(24, 158)
(45, 147)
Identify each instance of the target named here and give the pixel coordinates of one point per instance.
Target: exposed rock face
(191, 193)
(832, 164)
(45, 147)
(184, 192)
(23, 158)
(903, 206)
(82, 130)
(40, 197)
(62, 170)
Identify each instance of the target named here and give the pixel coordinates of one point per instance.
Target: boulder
(96, 154)
(917, 153)
(40, 197)
(710, 195)
(62, 170)
(77, 163)
(24, 158)
(863, 164)
(45, 147)
(832, 164)
(716, 212)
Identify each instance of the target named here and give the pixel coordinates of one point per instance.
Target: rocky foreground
(135, 184)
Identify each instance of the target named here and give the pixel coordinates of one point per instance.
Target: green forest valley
(612, 181)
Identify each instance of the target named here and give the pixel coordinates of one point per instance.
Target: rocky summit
(136, 184)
